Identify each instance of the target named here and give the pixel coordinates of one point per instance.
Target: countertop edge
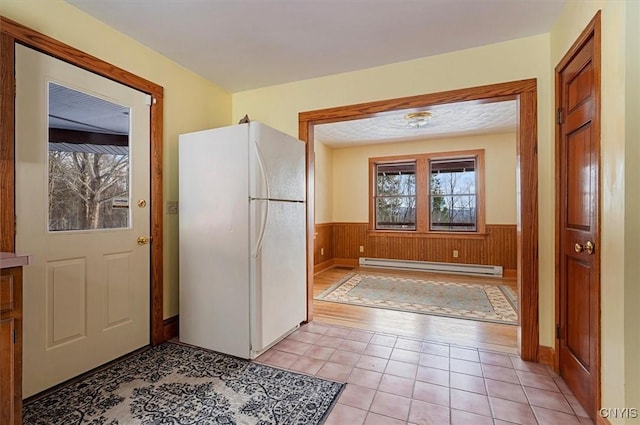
(11, 259)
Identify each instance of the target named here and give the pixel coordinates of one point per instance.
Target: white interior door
(82, 166)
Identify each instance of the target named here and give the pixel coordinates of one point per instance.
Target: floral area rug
(489, 303)
(179, 384)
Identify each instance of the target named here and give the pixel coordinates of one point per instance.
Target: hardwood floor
(473, 333)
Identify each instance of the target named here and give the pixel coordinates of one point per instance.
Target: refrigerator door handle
(262, 172)
(263, 227)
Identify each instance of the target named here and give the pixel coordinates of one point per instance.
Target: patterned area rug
(178, 384)
(489, 303)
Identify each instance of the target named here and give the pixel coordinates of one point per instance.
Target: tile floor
(398, 380)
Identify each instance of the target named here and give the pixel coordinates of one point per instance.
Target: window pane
(397, 212)
(396, 179)
(88, 162)
(395, 196)
(453, 195)
(453, 213)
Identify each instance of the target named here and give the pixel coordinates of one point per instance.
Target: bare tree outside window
(84, 189)
(396, 196)
(453, 194)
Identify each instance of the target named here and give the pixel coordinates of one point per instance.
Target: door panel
(118, 287)
(66, 295)
(579, 88)
(578, 317)
(580, 183)
(578, 232)
(86, 292)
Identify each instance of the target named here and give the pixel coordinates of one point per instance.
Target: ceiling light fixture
(418, 119)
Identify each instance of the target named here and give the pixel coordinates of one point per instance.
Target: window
(452, 192)
(428, 193)
(88, 161)
(395, 196)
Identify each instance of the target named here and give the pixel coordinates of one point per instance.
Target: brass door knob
(588, 247)
(143, 240)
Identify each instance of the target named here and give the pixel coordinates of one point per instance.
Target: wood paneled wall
(342, 241)
(323, 243)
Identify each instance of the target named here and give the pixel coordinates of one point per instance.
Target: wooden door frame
(525, 92)
(593, 29)
(11, 33)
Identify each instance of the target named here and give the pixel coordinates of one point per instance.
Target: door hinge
(558, 331)
(559, 116)
(15, 336)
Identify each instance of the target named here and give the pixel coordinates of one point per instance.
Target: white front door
(82, 196)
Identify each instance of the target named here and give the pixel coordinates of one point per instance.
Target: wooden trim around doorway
(12, 32)
(525, 91)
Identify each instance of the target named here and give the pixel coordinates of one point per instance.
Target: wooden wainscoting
(323, 243)
(498, 247)
(502, 246)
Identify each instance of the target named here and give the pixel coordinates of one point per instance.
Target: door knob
(588, 247)
(143, 240)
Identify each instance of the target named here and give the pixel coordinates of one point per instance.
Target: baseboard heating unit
(468, 269)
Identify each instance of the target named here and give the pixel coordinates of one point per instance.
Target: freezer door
(278, 270)
(276, 164)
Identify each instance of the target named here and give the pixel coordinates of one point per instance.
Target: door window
(88, 161)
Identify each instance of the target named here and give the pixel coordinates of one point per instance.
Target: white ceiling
(246, 44)
(453, 119)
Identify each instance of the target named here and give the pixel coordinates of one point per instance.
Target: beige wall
(632, 206)
(324, 184)
(191, 102)
(619, 214)
(351, 174)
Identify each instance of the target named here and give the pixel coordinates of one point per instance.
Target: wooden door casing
(578, 205)
(525, 92)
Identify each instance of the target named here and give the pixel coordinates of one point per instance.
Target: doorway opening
(524, 93)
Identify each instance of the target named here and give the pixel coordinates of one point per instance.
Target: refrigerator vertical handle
(262, 172)
(263, 227)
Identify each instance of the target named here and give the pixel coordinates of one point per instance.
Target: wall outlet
(321, 251)
(455, 253)
(361, 248)
(172, 207)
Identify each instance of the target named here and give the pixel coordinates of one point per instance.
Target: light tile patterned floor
(398, 380)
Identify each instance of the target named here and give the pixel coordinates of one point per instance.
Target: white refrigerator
(242, 238)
